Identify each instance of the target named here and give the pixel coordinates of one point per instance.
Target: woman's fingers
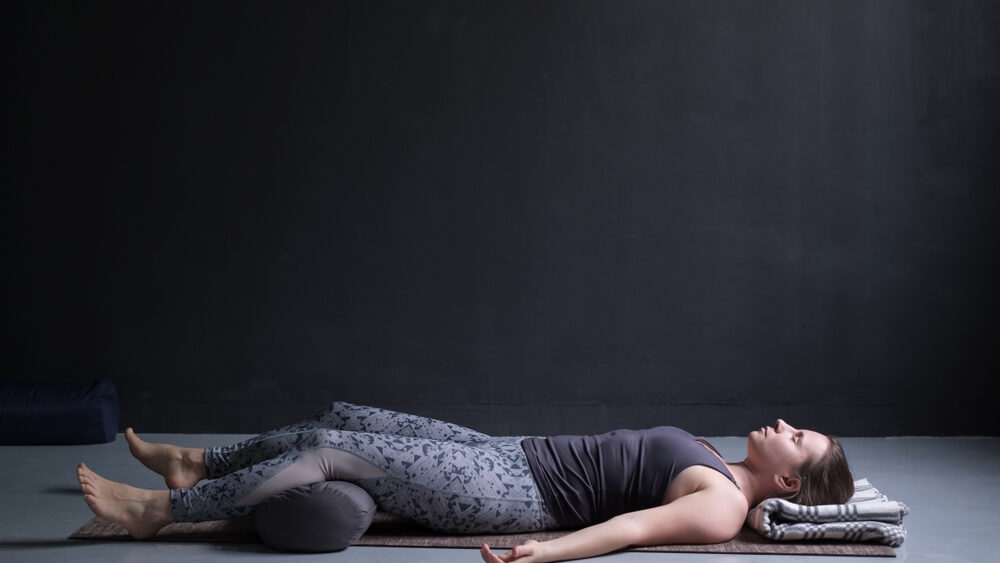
(512, 555)
(489, 556)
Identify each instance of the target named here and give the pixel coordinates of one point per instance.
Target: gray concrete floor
(952, 486)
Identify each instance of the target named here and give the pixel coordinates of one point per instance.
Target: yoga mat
(392, 531)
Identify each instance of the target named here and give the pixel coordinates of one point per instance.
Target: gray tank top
(585, 480)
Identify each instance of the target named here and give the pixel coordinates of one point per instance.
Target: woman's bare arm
(707, 516)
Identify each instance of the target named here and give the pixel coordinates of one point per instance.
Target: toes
(84, 479)
(93, 503)
(85, 474)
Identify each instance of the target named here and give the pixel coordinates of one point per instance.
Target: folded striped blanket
(867, 516)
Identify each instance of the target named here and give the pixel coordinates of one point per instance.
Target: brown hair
(827, 480)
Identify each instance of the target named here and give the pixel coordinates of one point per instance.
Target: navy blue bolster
(58, 413)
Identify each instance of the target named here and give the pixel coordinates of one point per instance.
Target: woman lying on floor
(627, 487)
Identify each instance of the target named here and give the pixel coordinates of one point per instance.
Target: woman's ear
(788, 484)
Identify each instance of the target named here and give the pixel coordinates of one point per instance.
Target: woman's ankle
(195, 459)
(161, 510)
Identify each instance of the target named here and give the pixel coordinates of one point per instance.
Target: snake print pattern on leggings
(441, 475)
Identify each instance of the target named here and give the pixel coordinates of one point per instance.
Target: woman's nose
(780, 425)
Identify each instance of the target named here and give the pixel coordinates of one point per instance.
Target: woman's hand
(528, 552)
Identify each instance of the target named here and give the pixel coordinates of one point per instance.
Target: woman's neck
(753, 485)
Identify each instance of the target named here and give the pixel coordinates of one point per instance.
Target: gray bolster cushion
(326, 516)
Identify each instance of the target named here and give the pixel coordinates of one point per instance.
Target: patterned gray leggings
(443, 476)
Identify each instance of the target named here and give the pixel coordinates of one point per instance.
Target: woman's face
(782, 448)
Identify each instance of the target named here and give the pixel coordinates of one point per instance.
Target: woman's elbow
(629, 530)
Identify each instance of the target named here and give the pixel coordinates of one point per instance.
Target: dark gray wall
(528, 217)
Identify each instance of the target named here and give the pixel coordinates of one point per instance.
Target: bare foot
(181, 467)
(140, 511)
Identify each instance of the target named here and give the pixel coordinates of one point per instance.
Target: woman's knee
(315, 438)
(332, 413)
(347, 440)
(340, 406)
